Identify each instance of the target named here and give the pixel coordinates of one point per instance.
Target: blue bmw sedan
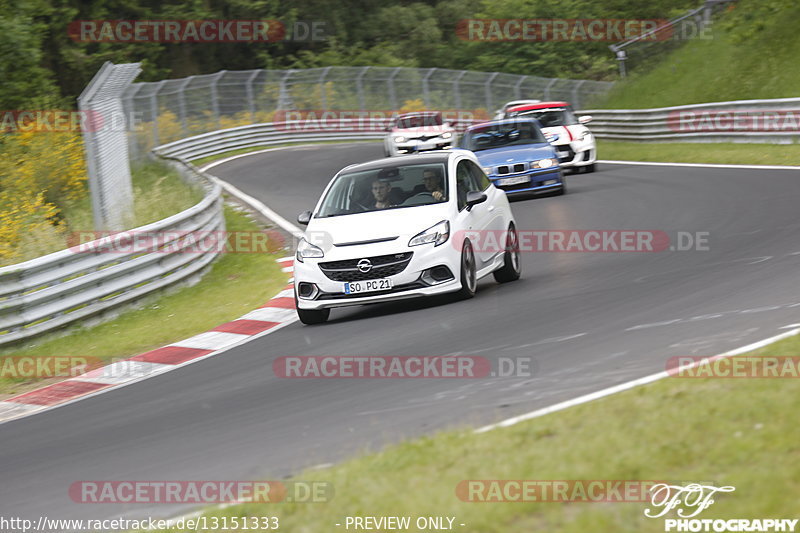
(516, 156)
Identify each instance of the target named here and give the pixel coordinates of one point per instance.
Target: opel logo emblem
(364, 266)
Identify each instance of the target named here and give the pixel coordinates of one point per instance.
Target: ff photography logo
(693, 499)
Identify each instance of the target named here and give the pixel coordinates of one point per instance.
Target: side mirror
(585, 119)
(474, 198)
(304, 218)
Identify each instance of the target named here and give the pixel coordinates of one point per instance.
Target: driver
(433, 183)
(380, 192)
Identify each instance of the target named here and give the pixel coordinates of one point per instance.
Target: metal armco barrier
(709, 123)
(71, 285)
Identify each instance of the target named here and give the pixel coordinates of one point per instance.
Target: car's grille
(382, 267)
(511, 169)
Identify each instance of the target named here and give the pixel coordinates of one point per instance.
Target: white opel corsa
(403, 227)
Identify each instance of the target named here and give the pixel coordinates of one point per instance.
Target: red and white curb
(276, 313)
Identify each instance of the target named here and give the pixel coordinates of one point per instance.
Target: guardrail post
(154, 111)
(360, 89)
(547, 89)
(488, 90)
(426, 97)
(251, 101)
(457, 88)
(392, 92)
(575, 91)
(322, 90)
(182, 103)
(215, 96)
(517, 91)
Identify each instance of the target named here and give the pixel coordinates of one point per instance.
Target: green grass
(719, 153)
(236, 284)
(739, 432)
(751, 55)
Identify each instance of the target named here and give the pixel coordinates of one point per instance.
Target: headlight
(400, 139)
(488, 170)
(446, 135)
(586, 135)
(438, 234)
(543, 163)
(306, 249)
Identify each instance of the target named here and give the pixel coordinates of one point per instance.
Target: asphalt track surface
(588, 320)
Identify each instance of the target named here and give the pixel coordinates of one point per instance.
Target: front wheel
(511, 269)
(469, 281)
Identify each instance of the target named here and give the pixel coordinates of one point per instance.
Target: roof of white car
(438, 156)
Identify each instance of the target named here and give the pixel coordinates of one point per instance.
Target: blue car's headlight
(543, 163)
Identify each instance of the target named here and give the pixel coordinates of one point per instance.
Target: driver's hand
(437, 195)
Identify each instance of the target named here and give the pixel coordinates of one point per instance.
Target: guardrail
(85, 281)
(736, 121)
(271, 133)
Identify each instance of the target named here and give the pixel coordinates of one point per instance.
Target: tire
(469, 280)
(313, 316)
(563, 189)
(512, 267)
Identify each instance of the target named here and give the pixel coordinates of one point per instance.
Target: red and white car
(574, 143)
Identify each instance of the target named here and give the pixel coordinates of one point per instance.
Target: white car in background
(500, 114)
(403, 227)
(575, 144)
(421, 131)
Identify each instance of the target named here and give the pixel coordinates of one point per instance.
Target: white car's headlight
(446, 135)
(438, 234)
(543, 163)
(399, 139)
(586, 135)
(305, 249)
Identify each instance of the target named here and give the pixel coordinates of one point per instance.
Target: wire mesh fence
(106, 147)
(169, 110)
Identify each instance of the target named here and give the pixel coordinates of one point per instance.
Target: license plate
(514, 181)
(370, 285)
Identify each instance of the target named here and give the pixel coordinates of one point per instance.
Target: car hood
(425, 130)
(563, 136)
(403, 223)
(514, 154)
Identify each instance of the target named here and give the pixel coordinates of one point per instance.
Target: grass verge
(749, 54)
(718, 153)
(739, 432)
(236, 284)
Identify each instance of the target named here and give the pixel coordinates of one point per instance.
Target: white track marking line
(697, 165)
(626, 386)
(123, 371)
(270, 314)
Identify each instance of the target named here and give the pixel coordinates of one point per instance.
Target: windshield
(502, 134)
(419, 121)
(391, 187)
(551, 117)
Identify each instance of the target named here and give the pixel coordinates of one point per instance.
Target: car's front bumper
(576, 153)
(406, 284)
(540, 182)
(414, 146)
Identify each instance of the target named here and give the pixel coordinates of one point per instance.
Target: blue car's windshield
(498, 135)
